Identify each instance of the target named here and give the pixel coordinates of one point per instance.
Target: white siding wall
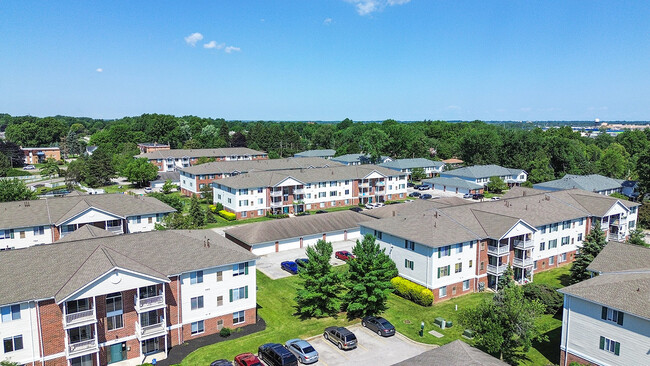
(549, 235)
(253, 197)
(188, 181)
(227, 199)
(294, 243)
(582, 328)
(27, 326)
(29, 240)
(144, 225)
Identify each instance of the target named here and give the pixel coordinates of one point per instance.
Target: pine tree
(637, 238)
(196, 213)
(593, 244)
(506, 279)
(320, 295)
(369, 278)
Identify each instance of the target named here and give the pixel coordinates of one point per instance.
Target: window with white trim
(39, 230)
(196, 302)
(612, 315)
(196, 277)
(198, 327)
(610, 345)
(442, 292)
(14, 343)
(408, 264)
(240, 269)
(465, 285)
(10, 313)
(239, 293)
(238, 317)
(114, 311)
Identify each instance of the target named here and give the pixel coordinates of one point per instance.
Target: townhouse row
(294, 191)
(44, 221)
(466, 248)
(175, 159)
(122, 300)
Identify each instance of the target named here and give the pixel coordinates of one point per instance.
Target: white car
(379, 204)
(148, 190)
(370, 206)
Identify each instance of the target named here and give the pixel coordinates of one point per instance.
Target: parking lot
(435, 194)
(269, 264)
(371, 350)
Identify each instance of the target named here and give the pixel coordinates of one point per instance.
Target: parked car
(247, 359)
(148, 190)
(370, 206)
(378, 325)
(321, 211)
(423, 187)
(289, 266)
(304, 351)
(341, 337)
(356, 209)
(395, 202)
(301, 262)
(415, 194)
(467, 195)
(410, 184)
(477, 196)
(495, 198)
(221, 362)
(343, 255)
(274, 354)
(379, 204)
(426, 196)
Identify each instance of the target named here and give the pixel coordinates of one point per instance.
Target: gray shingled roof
(453, 182)
(272, 178)
(620, 257)
(412, 163)
(411, 208)
(314, 153)
(198, 153)
(50, 211)
(349, 158)
(64, 268)
(244, 166)
(591, 183)
(456, 353)
(269, 231)
(482, 171)
(86, 232)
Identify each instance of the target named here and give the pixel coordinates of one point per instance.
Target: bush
(277, 216)
(227, 215)
(412, 291)
(225, 332)
(546, 295)
(216, 208)
(210, 217)
(172, 200)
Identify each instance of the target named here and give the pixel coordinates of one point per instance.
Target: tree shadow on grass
(565, 279)
(551, 348)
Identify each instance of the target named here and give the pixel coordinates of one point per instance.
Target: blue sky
(328, 60)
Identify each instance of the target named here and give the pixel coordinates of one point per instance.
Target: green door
(116, 353)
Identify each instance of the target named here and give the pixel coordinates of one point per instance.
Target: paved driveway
(371, 350)
(269, 264)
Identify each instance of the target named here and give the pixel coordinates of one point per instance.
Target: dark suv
(341, 337)
(274, 354)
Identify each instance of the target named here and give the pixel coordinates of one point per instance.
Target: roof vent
(393, 212)
(26, 203)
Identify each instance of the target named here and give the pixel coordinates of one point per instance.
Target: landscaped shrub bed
(227, 215)
(546, 294)
(412, 291)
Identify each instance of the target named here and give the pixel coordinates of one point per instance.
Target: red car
(247, 359)
(343, 255)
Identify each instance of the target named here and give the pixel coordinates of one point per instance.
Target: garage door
(264, 248)
(289, 244)
(335, 236)
(354, 234)
(311, 240)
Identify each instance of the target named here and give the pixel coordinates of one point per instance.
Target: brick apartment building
(36, 155)
(151, 147)
(172, 160)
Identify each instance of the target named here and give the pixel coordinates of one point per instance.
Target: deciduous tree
(140, 171)
(418, 174)
(637, 237)
(322, 287)
(496, 185)
(5, 165)
(15, 190)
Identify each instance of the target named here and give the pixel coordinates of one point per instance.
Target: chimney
(208, 243)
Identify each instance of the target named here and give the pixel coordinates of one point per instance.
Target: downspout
(566, 335)
(31, 327)
(40, 334)
(178, 309)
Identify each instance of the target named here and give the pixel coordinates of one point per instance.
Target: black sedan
(379, 325)
(426, 196)
(415, 194)
(356, 209)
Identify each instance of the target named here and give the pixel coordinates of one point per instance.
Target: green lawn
(557, 278)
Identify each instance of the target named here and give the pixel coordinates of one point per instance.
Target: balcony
(496, 270)
(380, 183)
(80, 318)
(524, 244)
(616, 222)
(498, 251)
(364, 185)
(616, 236)
(150, 331)
(149, 303)
(276, 204)
(276, 193)
(522, 262)
(298, 191)
(82, 348)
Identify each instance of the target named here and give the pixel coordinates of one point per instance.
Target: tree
(369, 278)
(238, 140)
(373, 142)
(496, 185)
(643, 171)
(614, 162)
(140, 171)
(168, 186)
(541, 170)
(418, 174)
(5, 165)
(224, 132)
(172, 200)
(204, 160)
(50, 169)
(98, 169)
(197, 215)
(592, 245)
(506, 325)
(15, 190)
(175, 221)
(506, 279)
(637, 237)
(8, 363)
(207, 193)
(320, 295)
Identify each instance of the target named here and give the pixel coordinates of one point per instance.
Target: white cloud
(99, 70)
(453, 107)
(214, 44)
(193, 38)
(398, 2)
(327, 21)
(365, 7)
(231, 49)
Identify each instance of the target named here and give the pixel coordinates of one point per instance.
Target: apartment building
(324, 153)
(431, 168)
(592, 183)
(151, 147)
(44, 221)
(295, 191)
(122, 300)
(35, 155)
(358, 159)
(195, 178)
(481, 174)
(464, 248)
(455, 185)
(176, 159)
(606, 319)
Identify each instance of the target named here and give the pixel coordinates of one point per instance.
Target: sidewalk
(178, 353)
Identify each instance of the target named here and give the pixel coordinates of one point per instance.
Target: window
(260, 201)
(551, 260)
(196, 277)
(458, 267)
(259, 190)
(470, 263)
(112, 223)
(219, 324)
(580, 221)
(238, 317)
(542, 246)
(409, 245)
(482, 245)
(562, 258)
(75, 306)
(13, 343)
(554, 227)
(22, 235)
(408, 264)
(535, 265)
(197, 327)
(444, 251)
(459, 248)
(465, 285)
(39, 230)
(260, 212)
(114, 310)
(552, 244)
(243, 214)
(482, 266)
(138, 219)
(543, 229)
(580, 237)
(612, 315)
(7, 234)
(471, 245)
(610, 345)
(197, 302)
(219, 276)
(566, 224)
(10, 313)
(150, 220)
(443, 271)
(240, 269)
(442, 292)
(239, 293)
(219, 300)
(347, 192)
(631, 224)
(565, 240)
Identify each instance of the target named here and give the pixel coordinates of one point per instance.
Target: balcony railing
(276, 193)
(364, 184)
(276, 204)
(496, 270)
(380, 183)
(498, 251)
(80, 317)
(149, 303)
(616, 237)
(524, 244)
(298, 191)
(522, 262)
(150, 331)
(616, 222)
(81, 348)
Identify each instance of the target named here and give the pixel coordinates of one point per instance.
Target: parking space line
(337, 349)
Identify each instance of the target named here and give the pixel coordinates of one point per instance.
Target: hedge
(412, 291)
(227, 215)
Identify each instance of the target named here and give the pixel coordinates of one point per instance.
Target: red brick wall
(174, 314)
(543, 264)
(210, 325)
(573, 358)
(160, 165)
(450, 290)
(129, 317)
(51, 316)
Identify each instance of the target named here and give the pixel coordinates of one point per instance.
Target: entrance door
(117, 352)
